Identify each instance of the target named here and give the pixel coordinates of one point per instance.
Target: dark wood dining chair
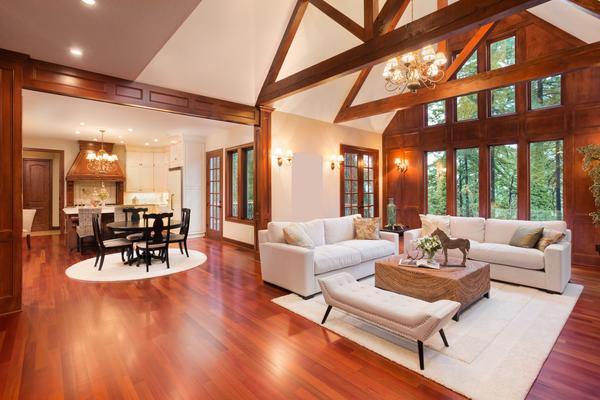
(129, 213)
(154, 240)
(181, 237)
(105, 245)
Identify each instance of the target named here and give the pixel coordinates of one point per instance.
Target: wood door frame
(210, 154)
(61, 180)
(50, 202)
(361, 150)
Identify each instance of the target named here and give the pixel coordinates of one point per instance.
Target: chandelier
(101, 162)
(415, 69)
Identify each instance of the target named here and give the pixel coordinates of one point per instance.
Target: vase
(391, 212)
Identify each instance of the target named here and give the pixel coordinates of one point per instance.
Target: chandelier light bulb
(407, 58)
(433, 70)
(428, 54)
(440, 59)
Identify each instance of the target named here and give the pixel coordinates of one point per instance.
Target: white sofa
(297, 268)
(549, 270)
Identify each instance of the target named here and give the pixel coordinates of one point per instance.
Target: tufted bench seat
(402, 315)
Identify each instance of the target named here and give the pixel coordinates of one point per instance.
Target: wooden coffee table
(466, 284)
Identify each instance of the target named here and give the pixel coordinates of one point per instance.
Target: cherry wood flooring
(213, 333)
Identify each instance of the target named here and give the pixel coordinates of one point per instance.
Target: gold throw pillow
(295, 235)
(526, 237)
(549, 236)
(366, 228)
(430, 223)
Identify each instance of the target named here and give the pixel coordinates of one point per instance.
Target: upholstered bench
(402, 315)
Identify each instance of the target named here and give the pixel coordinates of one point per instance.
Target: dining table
(140, 227)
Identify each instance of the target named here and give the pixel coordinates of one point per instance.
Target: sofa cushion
(472, 228)
(370, 249)
(430, 223)
(502, 231)
(295, 235)
(314, 229)
(549, 236)
(332, 256)
(504, 254)
(366, 228)
(526, 237)
(339, 229)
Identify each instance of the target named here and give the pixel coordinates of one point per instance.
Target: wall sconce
(401, 165)
(278, 155)
(336, 161)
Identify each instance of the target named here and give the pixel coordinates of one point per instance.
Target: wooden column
(11, 205)
(262, 196)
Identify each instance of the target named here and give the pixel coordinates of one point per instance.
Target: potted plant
(591, 165)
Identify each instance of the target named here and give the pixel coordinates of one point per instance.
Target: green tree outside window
(502, 53)
(436, 113)
(467, 182)
(469, 68)
(545, 92)
(436, 182)
(503, 101)
(466, 107)
(503, 181)
(546, 180)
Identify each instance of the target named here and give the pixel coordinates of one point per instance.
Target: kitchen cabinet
(161, 172)
(176, 155)
(146, 171)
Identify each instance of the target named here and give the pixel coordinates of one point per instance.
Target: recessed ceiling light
(173, 141)
(155, 140)
(89, 2)
(95, 139)
(146, 144)
(77, 132)
(130, 130)
(122, 141)
(76, 51)
(82, 124)
(120, 136)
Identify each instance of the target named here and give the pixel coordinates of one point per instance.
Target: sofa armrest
(287, 266)
(409, 237)
(557, 263)
(263, 236)
(391, 237)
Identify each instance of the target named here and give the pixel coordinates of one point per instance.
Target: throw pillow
(430, 223)
(366, 228)
(549, 236)
(526, 237)
(295, 235)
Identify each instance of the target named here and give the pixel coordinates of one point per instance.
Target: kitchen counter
(75, 210)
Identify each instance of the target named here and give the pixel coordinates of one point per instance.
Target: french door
(214, 194)
(359, 181)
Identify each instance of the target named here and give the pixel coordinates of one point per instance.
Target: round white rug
(114, 270)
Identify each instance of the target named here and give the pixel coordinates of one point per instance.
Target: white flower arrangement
(429, 245)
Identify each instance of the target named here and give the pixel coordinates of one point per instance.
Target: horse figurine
(462, 244)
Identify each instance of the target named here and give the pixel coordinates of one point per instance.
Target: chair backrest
(120, 214)
(84, 228)
(134, 210)
(157, 226)
(97, 230)
(28, 215)
(185, 221)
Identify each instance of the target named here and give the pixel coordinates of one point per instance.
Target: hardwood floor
(213, 333)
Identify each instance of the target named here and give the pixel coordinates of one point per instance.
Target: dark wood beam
(587, 56)
(467, 51)
(371, 8)
(443, 45)
(389, 16)
(459, 17)
(58, 79)
(286, 41)
(340, 18)
(591, 7)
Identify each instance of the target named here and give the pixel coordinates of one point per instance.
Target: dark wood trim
(459, 17)
(562, 61)
(213, 154)
(61, 179)
(467, 51)
(591, 7)
(342, 19)
(58, 79)
(370, 11)
(262, 170)
(389, 16)
(344, 148)
(241, 181)
(238, 243)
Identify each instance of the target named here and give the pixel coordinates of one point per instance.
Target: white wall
(235, 136)
(309, 188)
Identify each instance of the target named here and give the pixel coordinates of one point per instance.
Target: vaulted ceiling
(219, 48)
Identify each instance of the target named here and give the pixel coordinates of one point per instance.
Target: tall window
(546, 180)
(467, 182)
(466, 107)
(469, 68)
(436, 182)
(240, 183)
(503, 181)
(503, 101)
(359, 180)
(436, 113)
(545, 92)
(502, 53)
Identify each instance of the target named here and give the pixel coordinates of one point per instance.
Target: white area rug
(114, 270)
(496, 349)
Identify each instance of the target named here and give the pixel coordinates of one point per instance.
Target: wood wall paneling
(576, 122)
(262, 157)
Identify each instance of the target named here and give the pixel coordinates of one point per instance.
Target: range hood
(80, 171)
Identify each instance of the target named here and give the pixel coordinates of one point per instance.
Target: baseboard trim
(238, 243)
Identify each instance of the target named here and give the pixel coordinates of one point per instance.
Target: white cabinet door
(133, 178)
(161, 170)
(176, 155)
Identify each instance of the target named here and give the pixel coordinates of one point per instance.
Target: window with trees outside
(502, 53)
(436, 182)
(546, 180)
(546, 92)
(503, 101)
(503, 181)
(436, 113)
(239, 180)
(469, 68)
(467, 182)
(467, 107)
(359, 181)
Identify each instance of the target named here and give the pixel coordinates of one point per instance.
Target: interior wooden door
(214, 194)
(37, 191)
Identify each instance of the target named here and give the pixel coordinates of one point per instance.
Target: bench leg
(421, 361)
(444, 337)
(326, 314)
